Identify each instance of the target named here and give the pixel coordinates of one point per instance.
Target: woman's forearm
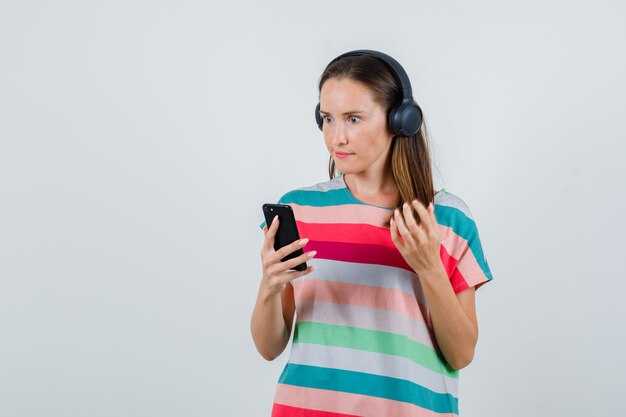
(455, 332)
(267, 325)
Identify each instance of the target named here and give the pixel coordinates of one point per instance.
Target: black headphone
(404, 118)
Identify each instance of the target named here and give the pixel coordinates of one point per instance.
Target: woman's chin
(342, 169)
(340, 164)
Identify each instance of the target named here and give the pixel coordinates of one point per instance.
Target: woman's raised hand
(276, 274)
(419, 243)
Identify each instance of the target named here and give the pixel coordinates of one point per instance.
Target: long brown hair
(410, 156)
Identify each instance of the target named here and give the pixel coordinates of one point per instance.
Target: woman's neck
(373, 187)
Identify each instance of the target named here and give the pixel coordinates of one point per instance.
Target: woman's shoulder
(450, 206)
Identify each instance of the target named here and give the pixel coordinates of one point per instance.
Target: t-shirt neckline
(349, 193)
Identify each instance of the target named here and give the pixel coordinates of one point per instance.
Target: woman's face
(355, 126)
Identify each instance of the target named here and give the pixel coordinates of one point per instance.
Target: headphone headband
(392, 64)
(404, 118)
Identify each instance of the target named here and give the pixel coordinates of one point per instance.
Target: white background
(139, 140)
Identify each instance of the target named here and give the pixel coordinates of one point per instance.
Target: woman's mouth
(342, 154)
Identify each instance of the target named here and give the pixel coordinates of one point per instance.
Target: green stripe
(368, 384)
(372, 341)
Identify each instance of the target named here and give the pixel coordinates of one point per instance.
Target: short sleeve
(467, 263)
(472, 268)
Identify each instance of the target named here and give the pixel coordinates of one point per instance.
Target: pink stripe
(344, 213)
(455, 244)
(349, 403)
(357, 294)
(281, 410)
(470, 270)
(480, 284)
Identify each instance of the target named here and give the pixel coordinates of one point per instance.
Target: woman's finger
(293, 262)
(394, 232)
(271, 233)
(402, 229)
(292, 247)
(411, 223)
(425, 219)
(431, 209)
(290, 275)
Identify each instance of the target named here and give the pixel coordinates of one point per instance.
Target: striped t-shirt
(363, 343)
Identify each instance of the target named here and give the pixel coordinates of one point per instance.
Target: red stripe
(457, 280)
(373, 248)
(358, 253)
(280, 410)
(448, 261)
(347, 233)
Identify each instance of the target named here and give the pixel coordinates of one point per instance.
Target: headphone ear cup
(392, 123)
(405, 119)
(318, 117)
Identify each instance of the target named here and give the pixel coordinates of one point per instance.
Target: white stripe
(448, 199)
(333, 184)
(366, 274)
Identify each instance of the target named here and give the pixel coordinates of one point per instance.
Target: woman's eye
(353, 119)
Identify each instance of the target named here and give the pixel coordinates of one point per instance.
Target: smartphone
(287, 229)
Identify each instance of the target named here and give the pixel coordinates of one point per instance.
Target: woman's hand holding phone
(276, 274)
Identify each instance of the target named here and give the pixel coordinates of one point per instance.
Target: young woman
(384, 314)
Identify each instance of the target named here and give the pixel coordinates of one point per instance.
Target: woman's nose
(339, 134)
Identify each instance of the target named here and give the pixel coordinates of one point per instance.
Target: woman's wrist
(433, 274)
